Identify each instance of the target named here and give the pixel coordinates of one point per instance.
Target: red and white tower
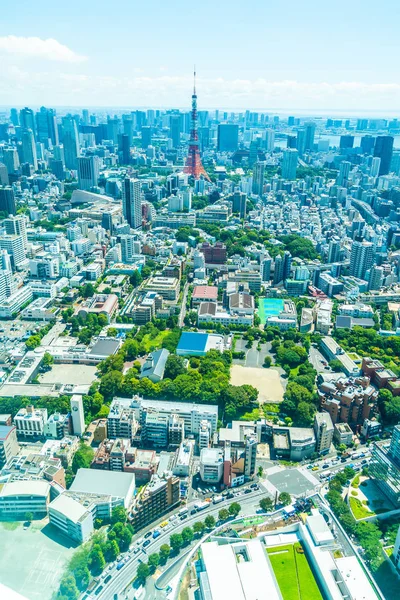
(194, 166)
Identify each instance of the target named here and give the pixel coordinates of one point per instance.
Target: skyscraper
(46, 126)
(384, 149)
(228, 137)
(131, 202)
(146, 136)
(375, 166)
(289, 164)
(258, 178)
(71, 142)
(269, 140)
(361, 258)
(124, 149)
(16, 225)
(14, 118)
(367, 144)
(88, 172)
(78, 415)
(344, 170)
(29, 148)
(376, 277)
(194, 165)
(27, 119)
(239, 203)
(175, 130)
(7, 200)
(346, 141)
(334, 251)
(310, 134)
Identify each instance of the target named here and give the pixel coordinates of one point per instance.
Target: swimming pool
(269, 307)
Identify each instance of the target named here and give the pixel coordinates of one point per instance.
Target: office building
(7, 200)
(29, 148)
(375, 166)
(239, 203)
(309, 135)
(250, 456)
(14, 245)
(346, 142)
(228, 137)
(78, 415)
(334, 251)
(384, 150)
(361, 258)
(289, 164)
(211, 465)
(323, 429)
(146, 136)
(175, 130)
(124, 149)
(155, 499)
(88, 172)
(30, 421)
(70, 142)
(258, 178)
(46, 126)
(376, 278)
(344, 171)
(131, 202)
(8, 443)
(385, 467)
(27, 119)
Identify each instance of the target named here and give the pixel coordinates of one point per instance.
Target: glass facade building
(385, 467)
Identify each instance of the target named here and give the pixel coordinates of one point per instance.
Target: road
(53, 334)
(121, 579)
(317, 360)
(183, 307)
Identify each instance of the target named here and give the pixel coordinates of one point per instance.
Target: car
(247, 491)
(146, 543)
(136, 550)
(107, 579)
(183, 517)
(99, 589)
(111, 566)
(310, 467)
(139, 541)
(148, 534)
(254, 485)
(364, 461)
(315, 468)
(325, 466)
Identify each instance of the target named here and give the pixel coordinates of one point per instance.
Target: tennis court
(269, 307)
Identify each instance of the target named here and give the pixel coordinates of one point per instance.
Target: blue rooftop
(193, 341)
(5, 430)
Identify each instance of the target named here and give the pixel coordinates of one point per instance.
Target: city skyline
(53, 57)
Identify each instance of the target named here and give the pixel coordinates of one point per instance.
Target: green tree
(142, 572)
(176, 542)
(118, 515)
(154, 561)
(83, 457)
(136, 278)
(165, 551)
(336, 365)
(88, 290)
(28, 517)
(68, 587)
(131, 349)
(234, 509)
(47, 360)
(267, 361)
(96, 560)
(223, 514)
(187, 535)
(174, 366)
(209, 522)
(260, 471)
(266, 504)
(111, 550)
(198, 528)
(32, 342)
(284, 498)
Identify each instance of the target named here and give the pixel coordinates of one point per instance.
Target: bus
(201, 506)
(183, 511)
(325, 475)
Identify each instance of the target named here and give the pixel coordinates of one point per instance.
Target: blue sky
(308, 55)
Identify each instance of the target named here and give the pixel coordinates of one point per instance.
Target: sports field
(269, 307)
(293, 573)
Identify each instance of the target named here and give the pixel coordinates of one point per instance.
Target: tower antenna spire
(194, 166)
(194, 80)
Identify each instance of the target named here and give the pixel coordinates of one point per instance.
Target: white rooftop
(27, 487)
(70, 508)
(355, 579)
(113, 483)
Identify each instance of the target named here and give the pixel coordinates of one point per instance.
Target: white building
(30, 421)
(71, 517)
(20, 497)
(78, 415)
(211, 465)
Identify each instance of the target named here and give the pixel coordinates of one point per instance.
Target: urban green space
(293, 573)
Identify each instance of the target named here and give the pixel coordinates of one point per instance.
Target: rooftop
(91, 481)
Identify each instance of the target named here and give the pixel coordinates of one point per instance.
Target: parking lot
(32, 561)
(254, 357)
(293, 481)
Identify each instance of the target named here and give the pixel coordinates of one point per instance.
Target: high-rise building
(175, 130)
(289, 164)
(14, 244)
(376, 277)
(301, 140)
(130, 247)
(46, 126)
(16, 225)
(146, 136)
(266, 269)
(323, 429)
(258, 178)
(27, 119)
(344, 171)
(4, 179)
(269, 140)
(85, 116)
(375, 166)
(278, 270)
(88, 172)
(346, 141)
(71, 142)
(384, 149)
(11, 159)
(239, 203)
(124, 149)
(228, 137)
(310, 134)
(334, 251)
(131, 202)
(29, 148)
(14, 118)
(361, 258)
(385, 467)
(7, 200)
(367, 144)
(77, 414)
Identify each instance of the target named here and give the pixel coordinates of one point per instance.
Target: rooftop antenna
(194, 80)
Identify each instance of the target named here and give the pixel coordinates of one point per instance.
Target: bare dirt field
(79, 374)
(266, 381)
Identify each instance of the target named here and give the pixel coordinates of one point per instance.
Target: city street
(121, 579)
(317, 360)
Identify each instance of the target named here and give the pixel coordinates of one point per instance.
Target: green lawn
(153, 343)
(358, 509)
(293, 573)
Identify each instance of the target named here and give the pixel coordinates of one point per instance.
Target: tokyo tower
(194, 165)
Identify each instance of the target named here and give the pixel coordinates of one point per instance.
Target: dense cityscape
(200, 351)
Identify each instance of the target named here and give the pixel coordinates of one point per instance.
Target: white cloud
(34, 47)
(22, 87)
